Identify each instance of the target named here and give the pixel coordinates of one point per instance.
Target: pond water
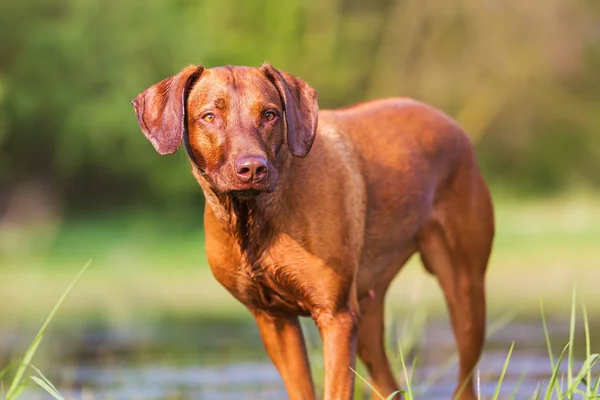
(220, 358)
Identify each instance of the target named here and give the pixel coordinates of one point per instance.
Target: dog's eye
(208, 117)
(270, 115)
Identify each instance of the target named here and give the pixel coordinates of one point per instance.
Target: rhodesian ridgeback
(315, 219)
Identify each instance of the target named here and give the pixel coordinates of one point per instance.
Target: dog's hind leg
(371, 345)
(371, 348)
(455, 246)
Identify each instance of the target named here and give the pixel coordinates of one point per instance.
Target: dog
(313, 212)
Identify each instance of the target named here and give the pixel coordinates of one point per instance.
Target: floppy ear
(160, 110)
(300, 107)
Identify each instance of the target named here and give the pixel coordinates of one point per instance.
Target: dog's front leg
(339, 333)
(284, 342)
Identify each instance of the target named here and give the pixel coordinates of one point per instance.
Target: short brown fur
(323, 219)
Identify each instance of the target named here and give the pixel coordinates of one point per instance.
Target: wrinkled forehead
(229, 86)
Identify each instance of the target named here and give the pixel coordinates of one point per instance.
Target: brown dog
(307, 221)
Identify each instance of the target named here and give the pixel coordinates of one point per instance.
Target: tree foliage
(522, 78)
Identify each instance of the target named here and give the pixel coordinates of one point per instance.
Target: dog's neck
(251, 222)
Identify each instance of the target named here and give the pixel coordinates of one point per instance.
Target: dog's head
(236, 121)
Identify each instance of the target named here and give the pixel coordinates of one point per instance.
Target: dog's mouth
(230, 187)
(246, 194)
(252, 190)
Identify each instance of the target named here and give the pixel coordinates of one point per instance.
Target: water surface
(221, 358)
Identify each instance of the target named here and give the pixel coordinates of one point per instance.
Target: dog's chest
(271, 288)
(262, 267)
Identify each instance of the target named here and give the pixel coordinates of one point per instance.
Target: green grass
(147, 263)
(570, 386)
(18, 383)
(580, 383)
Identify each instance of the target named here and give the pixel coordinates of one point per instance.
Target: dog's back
(407, 154)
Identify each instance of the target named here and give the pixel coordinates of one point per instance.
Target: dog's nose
(251, 168)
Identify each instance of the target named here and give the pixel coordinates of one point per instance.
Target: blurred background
(79, 181)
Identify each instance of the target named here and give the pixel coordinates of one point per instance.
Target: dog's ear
(300, 107)
(160, 109)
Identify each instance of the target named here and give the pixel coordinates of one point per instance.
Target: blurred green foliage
(521, 77)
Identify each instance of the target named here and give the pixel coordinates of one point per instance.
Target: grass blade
(572, 342)
(596, 389)
(409, 391)
(47, 387)
(18, 378)
(392, 395)
(549, 345)
(5, 371)
(587, 366)
(538, 392)
(518, 385)
(497, 392)
(366, 382)
(478, 385)
(54, 391)
(588, 350)
(413, 328)
(547, 336)
(554, 378)
(18, 390)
